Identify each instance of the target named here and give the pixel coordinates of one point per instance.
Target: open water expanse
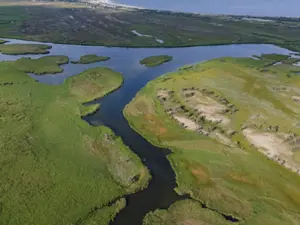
(289, 8)
(160, 193)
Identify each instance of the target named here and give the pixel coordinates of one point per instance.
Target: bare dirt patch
(296, 98)
(275, 145)
(187, 123)
(208, 107)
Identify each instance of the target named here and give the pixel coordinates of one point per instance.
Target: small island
(91, 58)
(44, 65)
(24, 49)
(157, 60)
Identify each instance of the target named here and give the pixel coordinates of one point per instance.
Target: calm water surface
(289, 8)
(160, 193)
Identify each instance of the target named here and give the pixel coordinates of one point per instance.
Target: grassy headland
(24, 49)
(55, 168)
(44, 65)
(79, 24)
(157, 60)
(233, 127)
(87, 59)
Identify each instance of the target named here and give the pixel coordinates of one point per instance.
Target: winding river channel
(160, 192)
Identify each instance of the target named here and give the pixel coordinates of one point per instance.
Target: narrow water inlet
(160, 192)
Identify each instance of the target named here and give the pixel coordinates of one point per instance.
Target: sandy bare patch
(187, 123)
(274, 146)
(162, 93)
(207, 107)
(271, 143)
(296, 98)
(221, 138)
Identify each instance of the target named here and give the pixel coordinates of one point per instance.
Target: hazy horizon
(288, 8)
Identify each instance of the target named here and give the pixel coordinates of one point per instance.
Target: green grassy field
(24, 49)
(44, 65)
(184, 212)
(233, 127)
(87, 59)
(59, 22)
(55, 167)
(157, 60)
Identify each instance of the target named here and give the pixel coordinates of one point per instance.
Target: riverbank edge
(159, 145)
(286, 46)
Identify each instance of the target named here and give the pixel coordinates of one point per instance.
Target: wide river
(160, 193)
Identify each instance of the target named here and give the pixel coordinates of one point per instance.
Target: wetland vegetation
(63, 22)
(24, 49)
(55, 167)
(44, 65)
(87, 59)
(157, 60)
(233, 127)
(231, 124)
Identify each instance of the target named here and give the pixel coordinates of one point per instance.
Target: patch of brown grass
(85, 87)
(200, 173)
(156, 126)
(241, 178)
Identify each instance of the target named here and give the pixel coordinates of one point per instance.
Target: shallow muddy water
(160, 193)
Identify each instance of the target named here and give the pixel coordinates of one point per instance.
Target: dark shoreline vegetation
(231, 130)
(153, 61)
(67, 23)
(49, 154)
(87, 59)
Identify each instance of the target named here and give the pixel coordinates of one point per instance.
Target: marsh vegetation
(44, 65)
(232, 126)
(24, 49)
(153, 61)
(87, 59)
(63, 22)
(48, 154)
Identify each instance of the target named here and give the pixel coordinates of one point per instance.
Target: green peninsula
(233, 127)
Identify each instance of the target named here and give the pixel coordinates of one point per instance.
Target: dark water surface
(160, 193)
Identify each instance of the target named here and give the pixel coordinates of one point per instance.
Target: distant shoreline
(109, 3)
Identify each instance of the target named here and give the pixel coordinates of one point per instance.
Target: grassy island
(44, 65)
(24, 49)
(87, 59)
(233, 127)
(154, 61)
(55, 167)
